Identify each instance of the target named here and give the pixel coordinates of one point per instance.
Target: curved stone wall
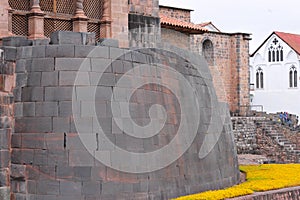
(100, 122)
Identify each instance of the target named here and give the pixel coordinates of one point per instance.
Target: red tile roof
(181, 25)
(292, 40)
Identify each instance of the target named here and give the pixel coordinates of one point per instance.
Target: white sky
(258, 17)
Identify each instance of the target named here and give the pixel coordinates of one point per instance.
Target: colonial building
(139, 23)
(274, 72)
(227, 54)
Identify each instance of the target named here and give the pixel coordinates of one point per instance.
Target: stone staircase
(275, 131)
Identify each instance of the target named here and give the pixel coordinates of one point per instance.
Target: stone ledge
(284, 193)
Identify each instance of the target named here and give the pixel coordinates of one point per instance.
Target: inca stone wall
(57, 141)
(7, 84)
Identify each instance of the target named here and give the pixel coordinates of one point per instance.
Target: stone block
(5, 139)
(91, 188)
(61, 124)
(82, 51)
(33, 125)
(21, 79)
(68, 37)
(82, 173)
(40, 157)
(10, 53)
(4, 177)
(66, 110)
(41, 65)
(81, 158)
(70, 188)
(4, 193)
(55, 141)
(49, 78)
(46, 109)
(101, 65)
(58, 93)
(68, 78)
(33, 141)
(108, 42)
(48, 187)
(16, 140)
(32, 94)
(28, 109)
(21, 65)
(116, 53)
(5, 158)
(18, 171)
(99, 52)
(72, 64)
(15, 41)
(34, 79)
(38, 42)
(58, 157)
(24, 52)
(39, 51)
(59, 51)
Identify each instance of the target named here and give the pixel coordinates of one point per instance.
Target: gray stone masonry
(57, 122)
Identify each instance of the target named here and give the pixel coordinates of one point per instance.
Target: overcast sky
(258, 17)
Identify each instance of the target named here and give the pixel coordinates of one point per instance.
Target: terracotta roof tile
(164, 20)
(292, 40)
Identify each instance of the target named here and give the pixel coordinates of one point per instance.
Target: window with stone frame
(259, 78)
(208, 51)
(293, 77)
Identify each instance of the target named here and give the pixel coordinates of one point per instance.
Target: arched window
(208, 52)
(293, 77)
(259, 78)
(275, 52)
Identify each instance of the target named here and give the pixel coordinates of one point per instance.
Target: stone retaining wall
(281, 194)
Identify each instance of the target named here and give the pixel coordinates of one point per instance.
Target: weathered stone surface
(66, 37)
(58, 141)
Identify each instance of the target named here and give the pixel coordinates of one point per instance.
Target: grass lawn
(259, 178)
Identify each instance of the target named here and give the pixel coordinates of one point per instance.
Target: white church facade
(274, 74)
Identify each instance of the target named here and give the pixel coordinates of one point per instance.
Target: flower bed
(259, 178)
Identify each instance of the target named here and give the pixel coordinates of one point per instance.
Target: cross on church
(275, 41)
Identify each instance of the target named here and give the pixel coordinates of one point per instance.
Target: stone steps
(279, 138)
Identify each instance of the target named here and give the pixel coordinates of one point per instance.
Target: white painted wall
(276, 96)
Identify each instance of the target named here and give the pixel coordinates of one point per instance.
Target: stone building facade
(36, 83)
(142, 24)
(226, 53)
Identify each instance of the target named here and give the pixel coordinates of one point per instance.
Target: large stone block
(67, 37)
